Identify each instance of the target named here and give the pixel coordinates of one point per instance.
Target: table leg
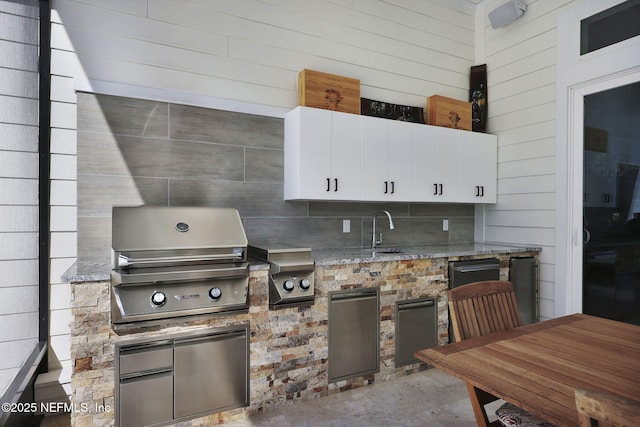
(479, 398)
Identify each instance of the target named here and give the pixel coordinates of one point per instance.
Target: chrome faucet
(375, 241)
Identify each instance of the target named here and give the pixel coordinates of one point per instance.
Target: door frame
(577, 77)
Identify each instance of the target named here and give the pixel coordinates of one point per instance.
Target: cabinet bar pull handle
(328, 184)
(429, 303)
(354, 294)
(393, 187)
(336, 182)
(440, 189)
(482, 192)
(386, 187)
(435, 189)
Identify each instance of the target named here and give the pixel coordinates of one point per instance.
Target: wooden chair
(600, 409)
(482, 308)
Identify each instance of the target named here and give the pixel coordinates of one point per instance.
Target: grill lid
(160, 228)
(176, 262)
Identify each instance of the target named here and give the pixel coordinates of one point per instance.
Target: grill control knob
(158, 299)
(215, 293)
(305, 284)
(288, 285)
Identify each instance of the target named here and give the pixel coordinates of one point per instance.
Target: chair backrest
(482, 308)
(602, 409)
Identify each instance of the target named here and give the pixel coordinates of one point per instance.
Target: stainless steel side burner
(291, 278)
(170, 262)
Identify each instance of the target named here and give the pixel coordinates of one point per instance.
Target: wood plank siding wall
(521, 62)
(18, 185)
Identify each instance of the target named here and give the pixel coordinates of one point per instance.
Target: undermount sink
(388, 251)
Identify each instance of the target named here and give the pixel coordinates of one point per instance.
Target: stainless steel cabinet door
(210, 373)
(523, 274)
(146, 400)
(354, 334)
(416, 328)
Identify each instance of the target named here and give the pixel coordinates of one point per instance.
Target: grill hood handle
(125, 261)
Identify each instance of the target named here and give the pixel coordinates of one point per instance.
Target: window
(610, 26)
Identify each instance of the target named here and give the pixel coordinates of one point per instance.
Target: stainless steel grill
(171, 262)
(291, 278)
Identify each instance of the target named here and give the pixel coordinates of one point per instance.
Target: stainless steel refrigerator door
(523, 274)
(416, 328)
(354, 334)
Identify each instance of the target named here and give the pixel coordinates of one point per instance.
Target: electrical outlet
(445, 225)
(346, 226)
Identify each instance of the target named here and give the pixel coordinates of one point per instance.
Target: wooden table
(538, 366)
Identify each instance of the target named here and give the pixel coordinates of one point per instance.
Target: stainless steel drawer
(477, 270)
(146, 400)
(157, 355)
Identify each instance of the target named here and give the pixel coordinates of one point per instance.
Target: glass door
(611, 204)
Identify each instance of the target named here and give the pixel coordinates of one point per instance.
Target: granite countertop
(358, 255)
(93, 271)
(87, 271)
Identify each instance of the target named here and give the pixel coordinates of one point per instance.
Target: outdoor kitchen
(213, 240)
(319, 212)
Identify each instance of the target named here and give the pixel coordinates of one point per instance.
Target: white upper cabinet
(322, 155)
(435, 164)
(478, 161)
(387, 149)
(338, 156)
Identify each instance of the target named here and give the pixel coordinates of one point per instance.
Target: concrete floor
(429, 398)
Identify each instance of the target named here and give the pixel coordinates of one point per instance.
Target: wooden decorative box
(448, 112)
(328, 91)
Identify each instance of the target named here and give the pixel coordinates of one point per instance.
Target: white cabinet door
(478, 167)
(400, 158)
(448, 166)
(425, 164)
(435, 160)
(375, 140)
(322, 155)
(345, 174)
(307, 153)
(387, 171)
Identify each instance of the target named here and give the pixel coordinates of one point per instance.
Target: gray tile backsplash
(224, 127)
(133, 152)
(100, 192)
(112, 115)
(123, 155)
(252, 199)
(263, 165)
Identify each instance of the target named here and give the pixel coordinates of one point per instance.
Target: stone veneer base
(289, 353)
